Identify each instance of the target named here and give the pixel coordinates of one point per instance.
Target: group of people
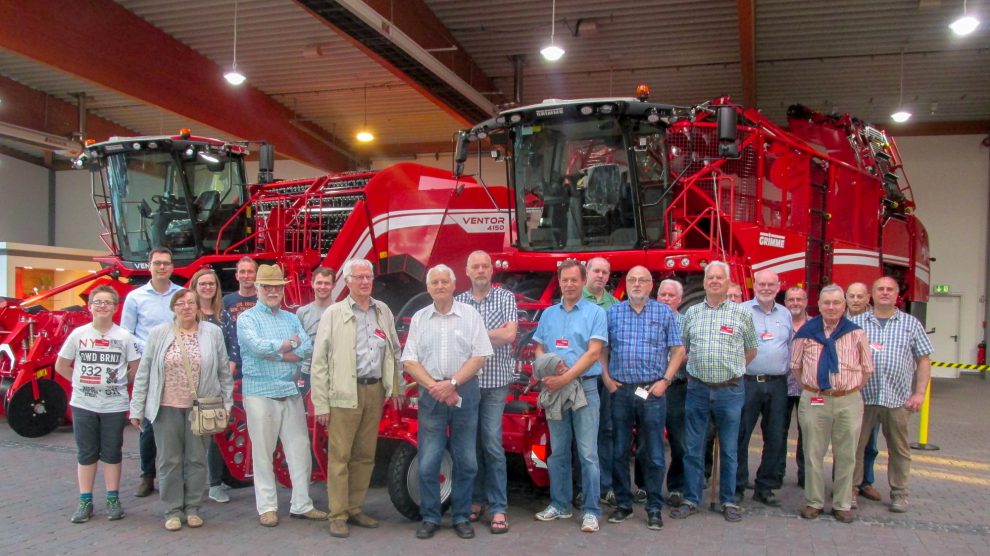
(608, 369)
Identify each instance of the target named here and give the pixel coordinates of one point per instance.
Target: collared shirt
(895, 347)
(144, 309)
(260, 333)
(639, 342)
(855, 363)
(774, 332)
(369, 341)
(568, 333)
(607, 299)
(496, 308)
(718, 338)
(309, 316)
(442, 343)
(793, 386)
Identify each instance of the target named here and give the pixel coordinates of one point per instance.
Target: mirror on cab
(460, 153)
(727, 123)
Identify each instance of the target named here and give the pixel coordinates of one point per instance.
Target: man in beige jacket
(354, 368)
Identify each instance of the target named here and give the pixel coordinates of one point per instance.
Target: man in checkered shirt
(498, 310)
(901, 350)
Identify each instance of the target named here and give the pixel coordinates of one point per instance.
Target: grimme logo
(549, 112)
(771, 240)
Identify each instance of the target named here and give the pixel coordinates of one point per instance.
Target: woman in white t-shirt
(100, 359)
(177, 356)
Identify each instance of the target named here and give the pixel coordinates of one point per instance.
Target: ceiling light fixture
(364, 135)
(901, 115)
(552, 52)
(965, 24)
(233, 76)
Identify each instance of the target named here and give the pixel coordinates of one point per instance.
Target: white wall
(949, 176)
(23, 201)
(76, 221)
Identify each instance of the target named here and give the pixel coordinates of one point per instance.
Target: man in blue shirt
(575, 330)
(766, 390)
(641, 332)
(273, 344)
(145, 308)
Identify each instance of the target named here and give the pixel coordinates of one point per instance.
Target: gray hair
(592, 260)
(719, 264)
(833, 288)
(671, 282)
(442, 268)
(349, 265)
(479, 252)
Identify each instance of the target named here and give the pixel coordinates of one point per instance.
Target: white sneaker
(589, 524)
(552, 513)
(218, 494)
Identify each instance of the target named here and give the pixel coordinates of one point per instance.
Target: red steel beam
(747, 50)
(103, 43)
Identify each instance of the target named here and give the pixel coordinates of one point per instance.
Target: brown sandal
(498, 526)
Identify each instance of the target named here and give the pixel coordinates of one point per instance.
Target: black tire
(403, 481)
(30, 417)
(230, 481)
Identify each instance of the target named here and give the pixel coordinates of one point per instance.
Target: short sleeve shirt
(496, 309)
(717, 339)
(568, 333)
(442, 343)
(99, 367)
(895, 347)
(639, 342)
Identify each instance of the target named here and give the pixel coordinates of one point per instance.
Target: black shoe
(767, 498)
(464, 530)
(426, 530)
(675, 498)
(801, 482)
(578, 501)
(620, 515)
(654, 521)
(640, 496)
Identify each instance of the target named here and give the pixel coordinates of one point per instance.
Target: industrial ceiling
(415, 71)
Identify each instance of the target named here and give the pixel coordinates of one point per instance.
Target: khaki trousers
(352, 440)
(838, 422)
(894, 424)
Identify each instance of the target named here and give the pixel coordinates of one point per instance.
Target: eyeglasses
(161, 264)
(267, 287)
(635, 280)
(184, 304)
(362, 277)
(102, 303)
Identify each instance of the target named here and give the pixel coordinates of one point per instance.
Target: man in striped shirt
(831, 361)
(901, 350)
(721, 339)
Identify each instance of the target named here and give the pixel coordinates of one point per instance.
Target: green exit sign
(941, 288)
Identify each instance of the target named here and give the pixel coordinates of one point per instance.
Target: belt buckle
(761, 378)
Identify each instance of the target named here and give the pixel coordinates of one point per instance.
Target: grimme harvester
(640, 183)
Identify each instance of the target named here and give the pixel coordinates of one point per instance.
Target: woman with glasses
(206, 284)
(177, 356)
(99, 359)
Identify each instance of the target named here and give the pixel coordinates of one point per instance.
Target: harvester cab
(177, 192)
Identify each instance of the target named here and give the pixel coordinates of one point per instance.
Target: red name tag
(562, 343)
(817, 401)
(877, 346)
(379, 333)
(767, 336)
(726, 330)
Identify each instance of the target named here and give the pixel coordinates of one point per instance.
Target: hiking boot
(114, 510)
(83, 512)
(146, 486)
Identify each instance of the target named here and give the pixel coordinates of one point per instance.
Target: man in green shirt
(599, 270)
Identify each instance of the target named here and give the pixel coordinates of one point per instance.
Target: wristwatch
(453, 382)
(293, 344)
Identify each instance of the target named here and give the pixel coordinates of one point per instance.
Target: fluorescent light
(552, 53)
(365, 136)
(900, 116)
(964, 25)
(234, 77)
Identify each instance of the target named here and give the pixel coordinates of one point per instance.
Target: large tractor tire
(403, 481)
(33, 417)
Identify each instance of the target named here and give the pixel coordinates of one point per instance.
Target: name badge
(726, 330)
(379, 333)
(562, 343)
(877, 346)
(817, 400)
(766, 336)
(642, 392)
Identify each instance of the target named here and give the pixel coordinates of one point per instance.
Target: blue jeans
(605, 436)
(580, 426)
(726, 404)
(766, 401)
(648, 417)
(870, 457)
(146, 447)
(434, 419)
(675, 395)
(489, 485)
